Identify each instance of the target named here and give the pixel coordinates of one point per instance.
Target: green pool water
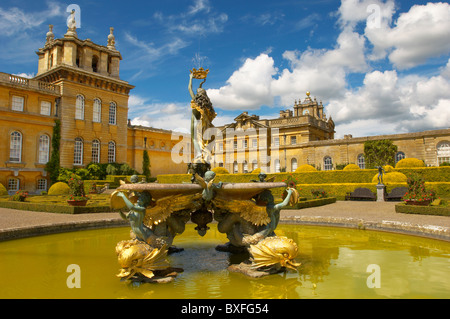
(336, 263)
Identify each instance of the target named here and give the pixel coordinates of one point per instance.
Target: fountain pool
(336, 263)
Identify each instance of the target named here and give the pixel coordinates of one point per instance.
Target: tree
(146, 165)
(52, 166)
(379, 153)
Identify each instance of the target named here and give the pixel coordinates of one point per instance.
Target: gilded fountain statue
(157, 213)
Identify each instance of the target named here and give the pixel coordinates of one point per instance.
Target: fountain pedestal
(381, 192)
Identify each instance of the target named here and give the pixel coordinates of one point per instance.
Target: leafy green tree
(53, 165)
(146, 165)
(379, 153)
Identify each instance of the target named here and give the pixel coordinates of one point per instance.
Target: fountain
(245, 212)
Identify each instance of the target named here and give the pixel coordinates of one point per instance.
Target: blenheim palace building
(78, 82)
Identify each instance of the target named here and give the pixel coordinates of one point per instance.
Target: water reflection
(334, 264)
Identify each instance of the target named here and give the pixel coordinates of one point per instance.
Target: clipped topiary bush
(305, 168)
(59, 188)
(3, 190)
(409, 162)
(351, 167)
(391, 177)
(256, 171)
(220, 170)
(388, 168)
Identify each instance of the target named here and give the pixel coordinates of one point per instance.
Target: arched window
(235, 167)
(79, 108)
(443, 152)
(399, 156)
(13, 184)
(361, 161)
(254, 165)
(41, 184)
(245, 167)
(78, 152)
(97, 113)
(95, 63)
(112, 113)
(293, 164)
(15, 147)
(95, 151)
(44, 149)
(327, 163)
(277, 166)
(111, 152)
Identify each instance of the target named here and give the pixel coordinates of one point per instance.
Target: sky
(378, 66)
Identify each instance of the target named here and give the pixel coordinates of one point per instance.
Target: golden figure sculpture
(202, 116)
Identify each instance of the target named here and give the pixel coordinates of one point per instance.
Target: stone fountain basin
(236, 191)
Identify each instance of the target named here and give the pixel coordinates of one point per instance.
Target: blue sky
(379, 67)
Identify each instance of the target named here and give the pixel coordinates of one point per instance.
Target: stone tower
(93, 107)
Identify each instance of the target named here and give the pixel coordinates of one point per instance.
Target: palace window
(41, 184)
(78, 152)
(17, 103)
(235, 145)
(399, 156)
(235, 167)
(220, 146)
(79, 108)
(276, 141)
(15, 147)
(95, 151)
(293, 140)
(293, 164)
(277, 166)
(361, 161)
(13, 184)
(443, 152)
(254, 143)
(244, 144)
(44, 149)
(112, 113)
(254, 165)
(327, 163)
(46, 107)
(111, 152)
(97, 113)
(245, 167)
(95, 63)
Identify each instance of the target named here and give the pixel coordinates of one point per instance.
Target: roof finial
(111, 39)
(50, 36)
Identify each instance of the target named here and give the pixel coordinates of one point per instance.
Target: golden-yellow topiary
(388, 168)
(256, 171)
(59, 188)
(351, 167)
(409, 162)
(305, 168)
(3, 190)
(391, 177)
(220, 170)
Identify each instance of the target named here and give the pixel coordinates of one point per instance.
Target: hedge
(422, 210)
(54, 208)
(429, 174)
(335, 183)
